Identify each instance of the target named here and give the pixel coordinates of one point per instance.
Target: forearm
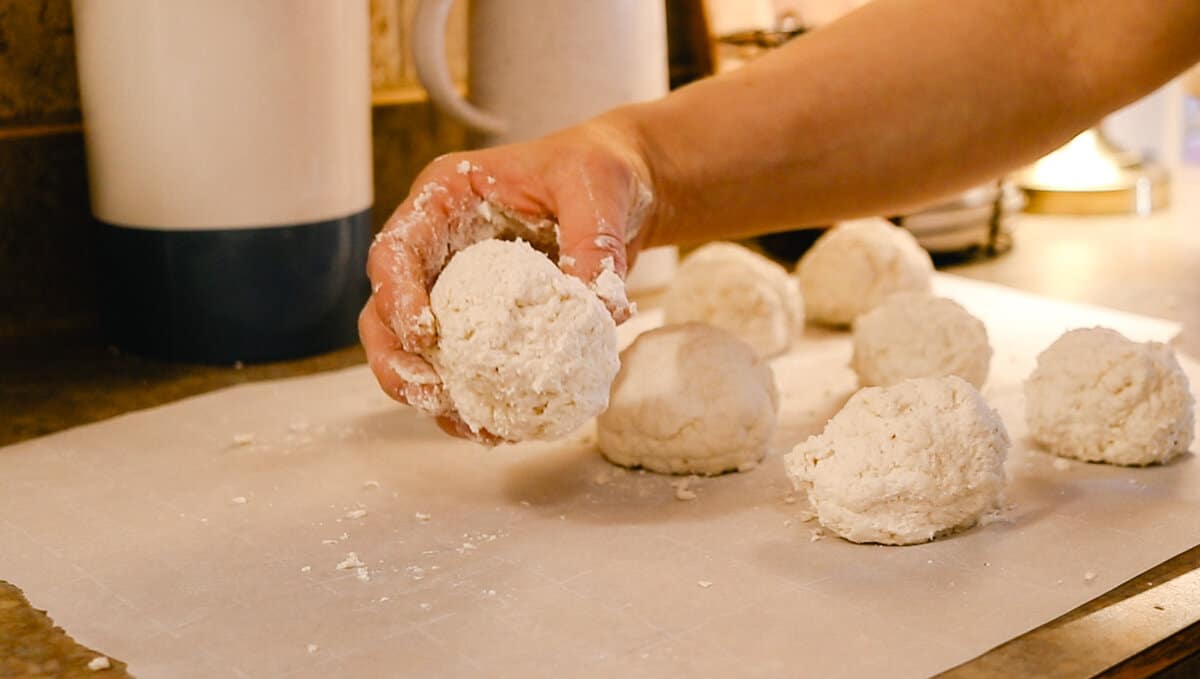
(896, 104)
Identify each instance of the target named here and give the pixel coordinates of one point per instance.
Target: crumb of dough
(370, 485)
(362, 574)
(1089, 576)
(705, 584)
(855, 265)
(682, 492)
(739, 291)
(305, 569)
(905, 464)
(239, 500)
(356, 514)
(689, 399)
(914, 334)
(1099, 397)
(425, 606)
(312, 648)
(243, 439)
(422, 516)
(524, 350)
(351, 561)
(99, 663)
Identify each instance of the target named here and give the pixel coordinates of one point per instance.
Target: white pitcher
(536, 66)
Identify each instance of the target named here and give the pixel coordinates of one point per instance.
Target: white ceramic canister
(536, 66)
(229, 162)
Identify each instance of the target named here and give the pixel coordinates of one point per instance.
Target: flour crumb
(384, 599)
(490, 592)
(362, 574)
(463, 167)
(425, 607)
(329, 541)
(815, 534)
(416, 572)
(682, 491)
(422, 516)
(356, 514)
(566, 260)
(239, 500)
(243, 439)
(99, 663)
(305, 569)
(312, 648)
(704, 583)
(1089, 576)
(370, 485)
(351, 561)
(787, 523)
(1062, 464)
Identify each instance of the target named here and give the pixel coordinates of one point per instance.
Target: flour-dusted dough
(524, 350)
(690, 399)
(855, 265)
(1098, 396)
(914, 334)
(739, 291)
(904, 464)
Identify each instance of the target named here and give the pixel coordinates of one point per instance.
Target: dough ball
(1098, 396)
(913, 334)
(738, 291)
(855, 265)
(904, 464)
(690, 399)
(524, 350)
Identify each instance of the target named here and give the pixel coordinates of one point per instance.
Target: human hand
(581, 196)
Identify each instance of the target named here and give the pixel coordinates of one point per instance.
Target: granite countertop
(1142, 265)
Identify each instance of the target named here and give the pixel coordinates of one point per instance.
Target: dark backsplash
(48, 270)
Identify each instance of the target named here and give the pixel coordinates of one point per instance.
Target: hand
(588, 180)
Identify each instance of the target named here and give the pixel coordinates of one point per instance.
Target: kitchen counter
(1142, 265)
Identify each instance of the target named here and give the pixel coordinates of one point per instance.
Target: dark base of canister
(244, 294)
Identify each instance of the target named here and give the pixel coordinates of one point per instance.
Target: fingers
(454, 426)
(406, 377)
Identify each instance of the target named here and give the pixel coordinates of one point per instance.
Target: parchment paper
(541, 560)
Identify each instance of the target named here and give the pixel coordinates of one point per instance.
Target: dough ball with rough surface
(905, 464)
(914, 334)
(1098, 396)
(855, 265)
(739, 291)
(690, 399)
(524, 350)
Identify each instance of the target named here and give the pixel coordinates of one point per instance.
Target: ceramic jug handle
(429, 56)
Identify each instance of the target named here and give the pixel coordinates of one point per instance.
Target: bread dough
(914, 334)
(524, 350)
(739, 291)
(904, 464)
(856, 265)
(1100, 397)
(690, 399)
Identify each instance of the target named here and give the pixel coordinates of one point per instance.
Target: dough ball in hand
(524, 350)
(739, 291)
(1098, 396)
(914, 334)
(690, 399)
(904, 464)
(855, 265)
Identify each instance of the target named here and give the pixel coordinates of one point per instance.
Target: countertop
(1143, 265)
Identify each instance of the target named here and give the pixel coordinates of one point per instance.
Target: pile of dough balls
(914, 334)
(905, 464)
(856, 265)
(1098, 396)
(689, 399)
(739, 291)
(524, 350)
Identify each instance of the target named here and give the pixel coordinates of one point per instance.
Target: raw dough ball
(690, 399)
(855, 265)
(913, 334)
(738, 291)
(524, 350)
(904, 464)
(1100, 397)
